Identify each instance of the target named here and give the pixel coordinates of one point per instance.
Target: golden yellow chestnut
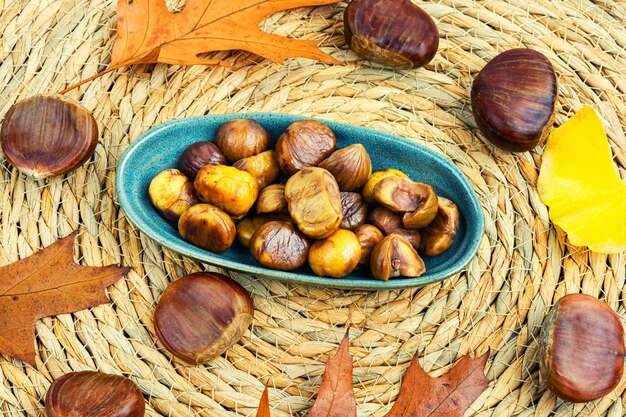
(227, 188)
(171, 193)
(375, 178)
(336, 256)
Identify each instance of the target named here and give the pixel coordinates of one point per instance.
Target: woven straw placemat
(523, 265)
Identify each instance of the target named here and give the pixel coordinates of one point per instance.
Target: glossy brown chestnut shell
(351, 166)
(241, 138)
(198, 155)
(396, 33)
(305, 143)
(48, 135)
(581, 349)
(514, 99)
(202, 315)
(354, 211)
(94, 394)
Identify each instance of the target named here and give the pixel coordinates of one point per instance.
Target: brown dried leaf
(335, 397)
(47, 283)
(149, 33)
(264, 405)
(447, 396)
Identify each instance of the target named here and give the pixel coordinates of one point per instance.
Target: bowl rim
(125, 202)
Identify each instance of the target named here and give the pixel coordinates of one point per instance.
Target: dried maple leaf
(264, 405)
(47, 283)
(149, 33)
(447, 396)
(335, 397)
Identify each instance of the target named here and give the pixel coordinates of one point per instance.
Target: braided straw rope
(523, 265)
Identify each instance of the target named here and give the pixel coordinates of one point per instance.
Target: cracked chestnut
(439, 235)
(514, 99)
(94, 394)
(581, 349)
(396, 33)
(202, 315)
(394, 257)
(279, 245)
(391, 223)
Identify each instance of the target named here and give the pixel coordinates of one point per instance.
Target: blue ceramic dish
(159, 149)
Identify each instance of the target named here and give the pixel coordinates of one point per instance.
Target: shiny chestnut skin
(514, 99)
(439, 235)
(263, 167)
(395, 257)
(353, 210)
(198, 155)
(336, 256)
(171, 193)
(369, 236)
(242, 138)
(279, 245)
(47, 135)
(395, 33)
(271, 199)
(202, 315)
(94, 394)
(391, 223)
(227, 188)
(207, 227)
(375, 178)
(247, 226)
(351, 166)
(314, 202)
(581, 349)
(305, 143)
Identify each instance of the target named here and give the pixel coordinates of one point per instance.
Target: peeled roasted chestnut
(394, 257)
(48, 135)
(396, 33)
(279, 245)
(351, 167)
(314, 202)
(202, 315)
(242, 138)
(171, 193)
(249, 225)
(271, 199)
(402, 195)
(305, 143)
(336, 256)
(375, 178)
(514, 99)
(439, 235)
(208, 227)
(227, 188)
(581, 349)
(369, 236)
(391, 223)
(198, 155)
(94, 394)
(353, 210)
(263, 167)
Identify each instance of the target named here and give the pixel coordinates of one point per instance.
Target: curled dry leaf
(449, 395)
(147, 32)
(579, 183)
(45, 284)
(335, 397)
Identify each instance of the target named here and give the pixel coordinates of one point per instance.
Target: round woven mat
(522, 267)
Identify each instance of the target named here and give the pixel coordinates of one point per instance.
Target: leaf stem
(86, 80)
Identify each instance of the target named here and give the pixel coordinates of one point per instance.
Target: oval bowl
(160, 147)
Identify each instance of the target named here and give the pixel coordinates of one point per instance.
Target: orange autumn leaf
(47, 283)
(335, 397)
(149, 33)
(447, 396)
(264, 405)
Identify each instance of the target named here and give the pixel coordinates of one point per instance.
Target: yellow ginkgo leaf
(578, 181)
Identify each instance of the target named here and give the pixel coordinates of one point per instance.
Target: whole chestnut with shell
(202, 315)
(199, 154)
(94, 394)
(581, 348)
(241, 138)
(396, 33)
(303, 144)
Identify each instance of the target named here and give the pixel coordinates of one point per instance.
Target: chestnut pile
(304, 201)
